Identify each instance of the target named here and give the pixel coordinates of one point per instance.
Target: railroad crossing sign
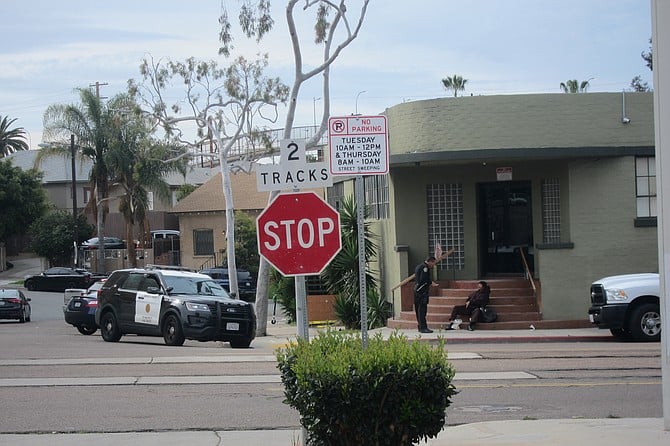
(299, 233)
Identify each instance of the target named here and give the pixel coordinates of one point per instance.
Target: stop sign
(299, 233)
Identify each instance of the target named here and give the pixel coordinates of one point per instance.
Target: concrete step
(464, 293)
(494, 300)
(512, 298)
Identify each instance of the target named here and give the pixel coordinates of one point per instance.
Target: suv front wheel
(172, 331)
(109, 327)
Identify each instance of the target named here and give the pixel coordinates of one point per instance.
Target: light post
(314, 99)
(359, 93)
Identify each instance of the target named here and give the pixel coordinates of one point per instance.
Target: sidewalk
(599, 432)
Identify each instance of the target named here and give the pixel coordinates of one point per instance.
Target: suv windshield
(194, 285)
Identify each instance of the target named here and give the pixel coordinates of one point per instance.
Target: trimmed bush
(394, 392)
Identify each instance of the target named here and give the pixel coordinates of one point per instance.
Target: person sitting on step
(475, 301)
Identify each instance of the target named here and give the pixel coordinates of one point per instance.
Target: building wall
(216, 221)
(188, 223)
(606, 242)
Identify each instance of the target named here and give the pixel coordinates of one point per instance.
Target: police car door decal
(147, 308)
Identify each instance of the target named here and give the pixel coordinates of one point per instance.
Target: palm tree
(138, 164)
(573, 86)
(454, 83)
(11, 140)
(90, 123)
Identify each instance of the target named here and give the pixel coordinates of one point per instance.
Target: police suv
(174, 304)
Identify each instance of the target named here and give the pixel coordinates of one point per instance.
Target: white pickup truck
(628, 305)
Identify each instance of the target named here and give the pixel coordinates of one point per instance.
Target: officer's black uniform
(421, 289)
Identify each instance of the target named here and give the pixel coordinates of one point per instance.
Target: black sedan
(59, 279)
(14, 305)
(110, 243)
(80, 310)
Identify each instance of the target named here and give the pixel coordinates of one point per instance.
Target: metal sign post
(360, 221)
(358, 146)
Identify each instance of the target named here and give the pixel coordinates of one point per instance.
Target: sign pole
(359, 146)
(360, 220)
(301, 308)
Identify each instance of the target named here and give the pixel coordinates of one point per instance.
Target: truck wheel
(645, 323)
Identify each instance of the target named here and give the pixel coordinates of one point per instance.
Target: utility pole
(100, 226)
(97, 86)
(74, 196)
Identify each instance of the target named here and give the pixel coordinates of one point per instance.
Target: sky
(403, 51)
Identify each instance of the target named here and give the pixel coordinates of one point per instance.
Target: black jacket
(480, 298)
(422, 280)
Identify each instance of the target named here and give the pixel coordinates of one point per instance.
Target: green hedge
(394, 392)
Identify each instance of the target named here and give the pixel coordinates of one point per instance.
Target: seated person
(476, 300)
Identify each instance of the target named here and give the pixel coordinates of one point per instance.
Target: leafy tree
(22, 199)
(454, 83)
(53, 236)
(246, 244)
(574, 86)
(637, 84)
(184, 191)
(11, 140)
(222, 103)
(649, 57)
(90, 123)
(337, 25)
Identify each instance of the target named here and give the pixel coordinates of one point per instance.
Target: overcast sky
(405, 49)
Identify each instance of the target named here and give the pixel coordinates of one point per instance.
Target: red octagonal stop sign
(299, 233)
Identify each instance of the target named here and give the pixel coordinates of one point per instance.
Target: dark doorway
(505, 227)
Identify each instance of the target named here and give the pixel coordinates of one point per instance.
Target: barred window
(645, 186)
(551, 211)
(203, 242)
(377, 196)
(445, 223)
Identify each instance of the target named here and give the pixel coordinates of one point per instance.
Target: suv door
(127, 292)
(148, 305)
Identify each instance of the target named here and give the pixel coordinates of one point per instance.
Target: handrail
(410, 278)
(209, 263)
(529, 276)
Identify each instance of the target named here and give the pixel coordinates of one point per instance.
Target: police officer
(421, 291)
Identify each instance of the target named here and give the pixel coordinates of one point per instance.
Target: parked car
(245, 282)
(14, 305)
(80, 310)
(59, 278)
(110, 243)
(174, 304)
(628, 305)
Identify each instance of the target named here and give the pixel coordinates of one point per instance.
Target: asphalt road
(53, 379)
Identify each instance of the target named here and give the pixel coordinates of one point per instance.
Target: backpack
(488, 314)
